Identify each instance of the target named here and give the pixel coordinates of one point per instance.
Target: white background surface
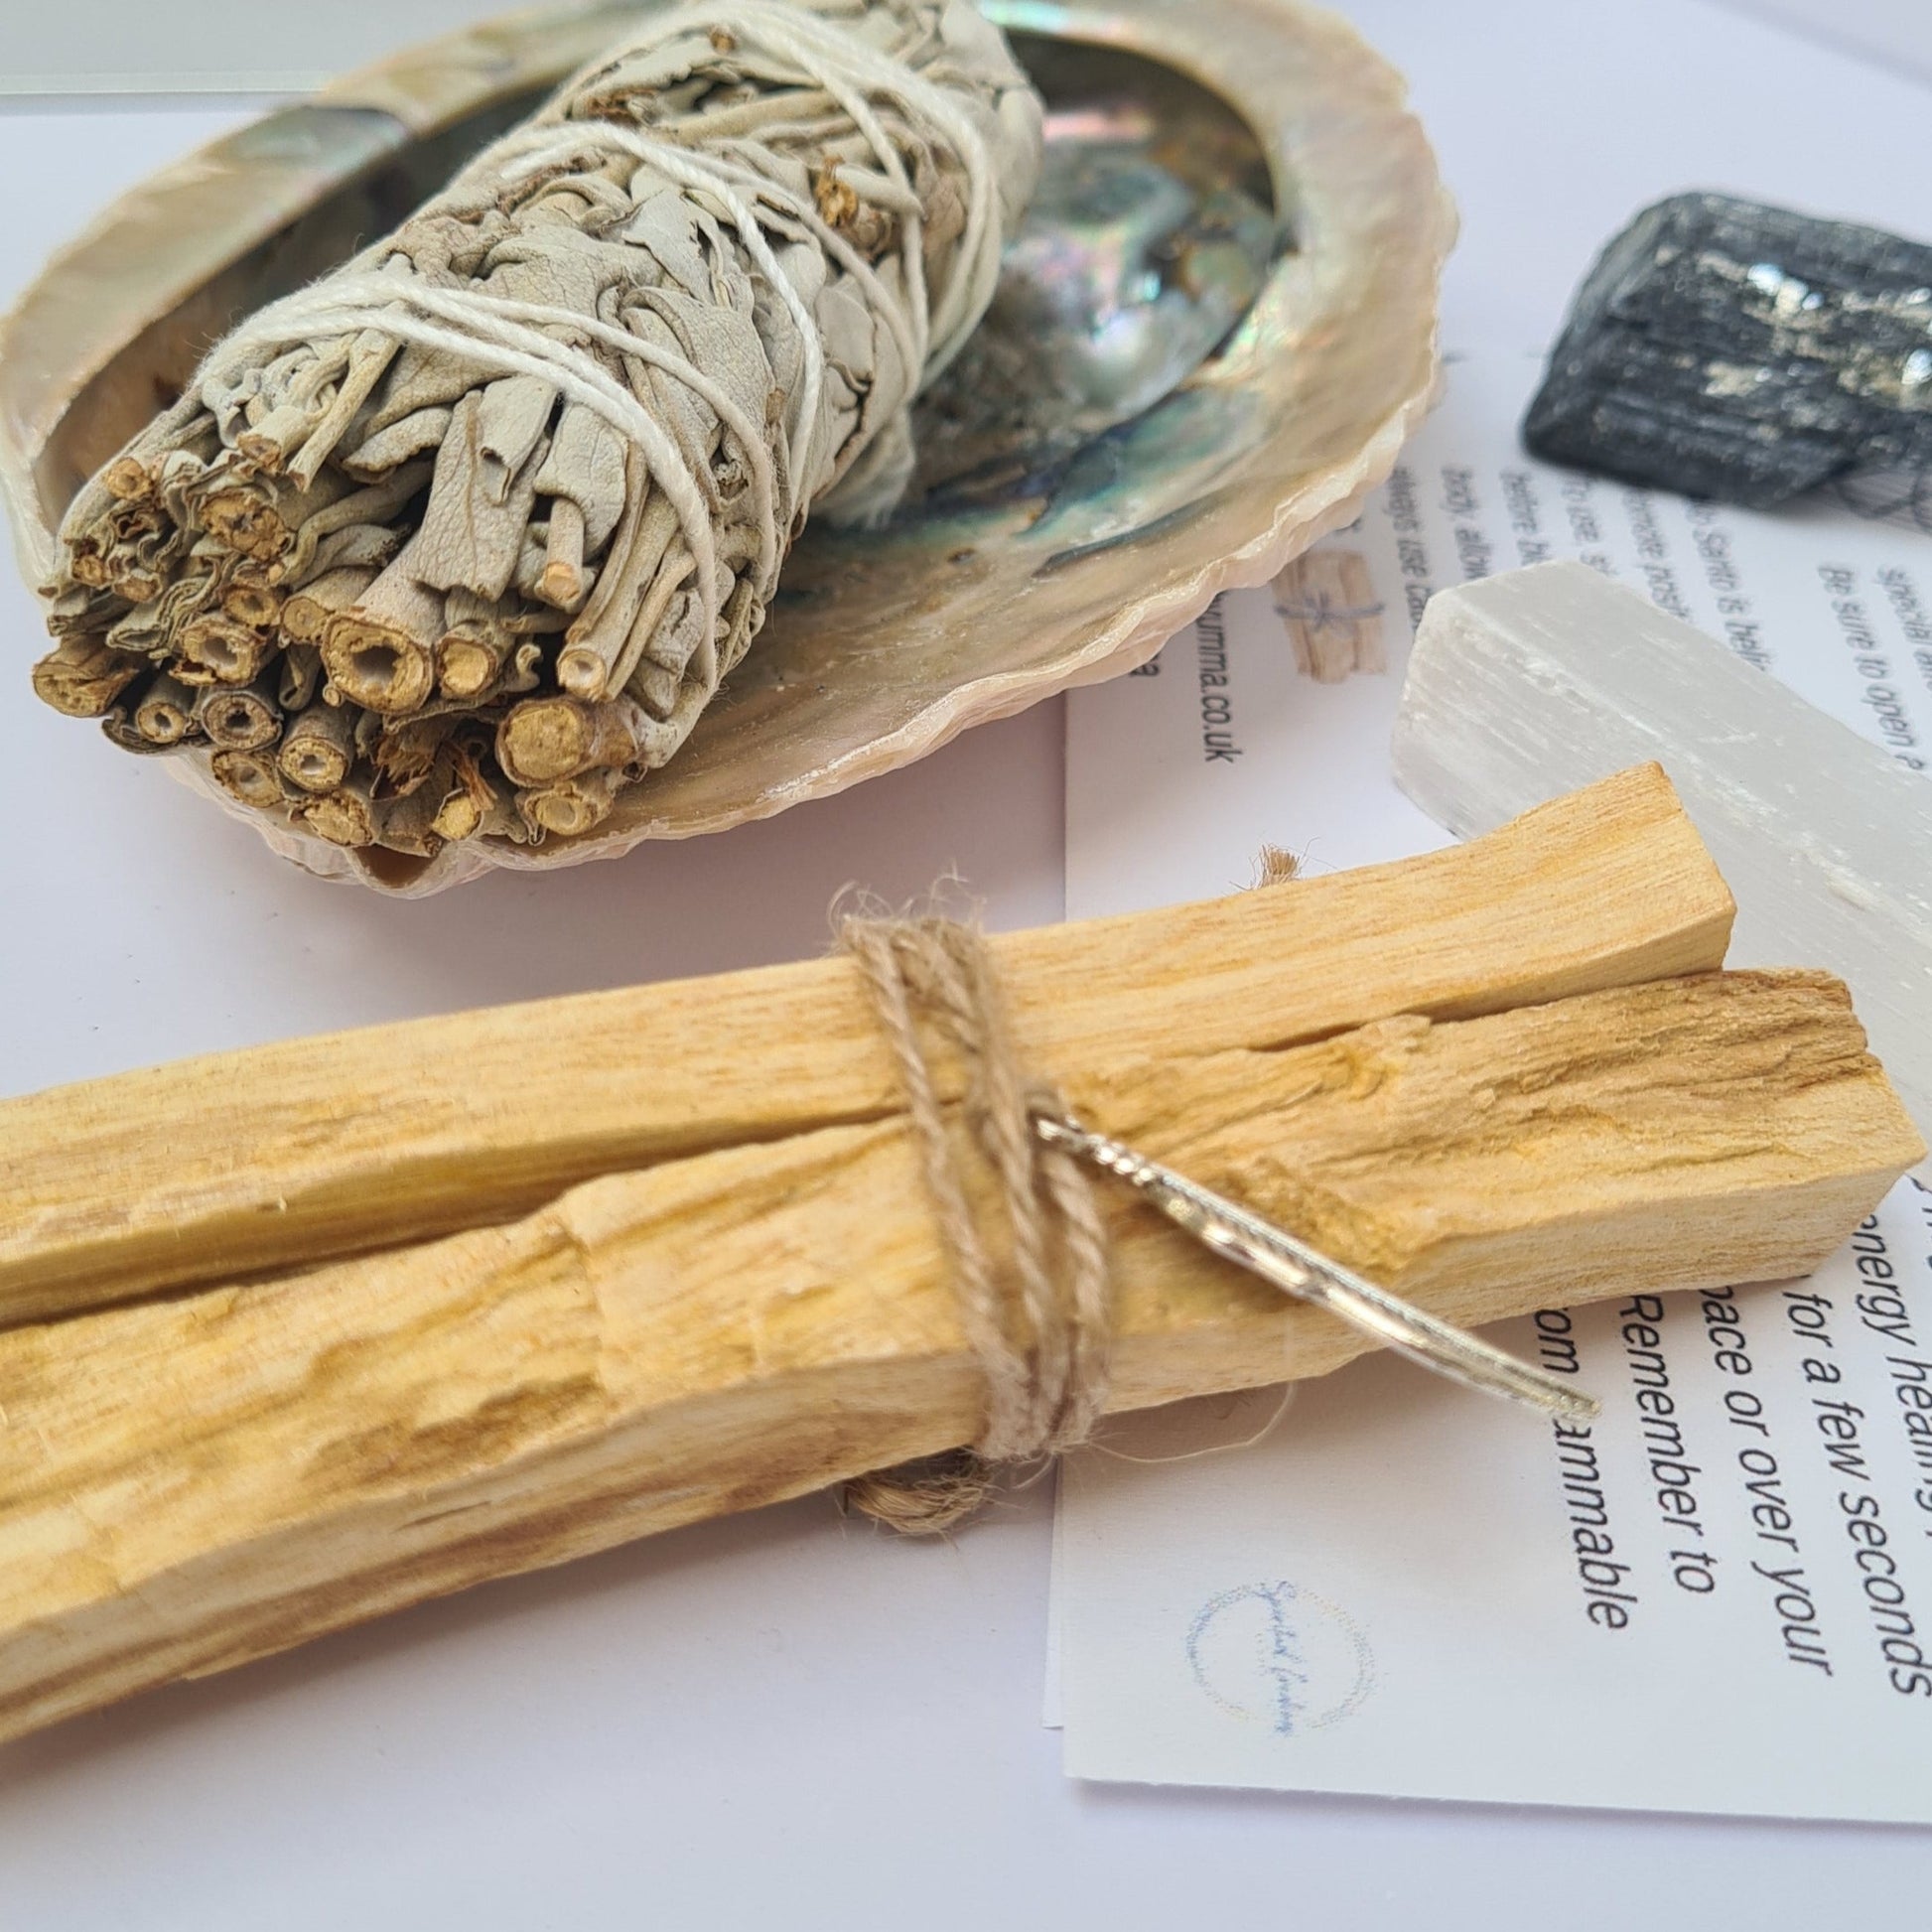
(1885, 30)
(780, 1720)
(137, 46)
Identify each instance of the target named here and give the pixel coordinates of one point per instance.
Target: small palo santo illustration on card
(1328, 607)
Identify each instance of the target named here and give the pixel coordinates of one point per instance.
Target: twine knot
(1039, 1320)
(1319, 610)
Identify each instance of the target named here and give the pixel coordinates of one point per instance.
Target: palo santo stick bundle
(510, 491)
(285, 1154)
(1478, 1077)
(213, 1476)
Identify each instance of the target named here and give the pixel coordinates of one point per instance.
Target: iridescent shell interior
(1214, 331)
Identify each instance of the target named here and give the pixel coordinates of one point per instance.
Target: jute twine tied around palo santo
(1046, 1390)
(1048, 1385)
(460, 540)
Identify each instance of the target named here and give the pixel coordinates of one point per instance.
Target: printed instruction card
(1718, 1597)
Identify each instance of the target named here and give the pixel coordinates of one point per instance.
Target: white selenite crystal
(1529, 684)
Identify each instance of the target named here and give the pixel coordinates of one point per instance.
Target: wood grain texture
(287, 1154)
(195, 1481)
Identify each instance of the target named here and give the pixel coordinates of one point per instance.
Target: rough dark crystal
(1727, 349)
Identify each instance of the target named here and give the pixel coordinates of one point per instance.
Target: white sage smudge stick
(460, 540)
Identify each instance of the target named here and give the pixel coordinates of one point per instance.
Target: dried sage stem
(460, 541)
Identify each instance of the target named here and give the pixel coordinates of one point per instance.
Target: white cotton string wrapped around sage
(465, 535)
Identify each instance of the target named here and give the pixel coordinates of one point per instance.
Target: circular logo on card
(1278, 1655)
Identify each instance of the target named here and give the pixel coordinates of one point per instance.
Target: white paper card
(1719, 1597)
(1716, 1598)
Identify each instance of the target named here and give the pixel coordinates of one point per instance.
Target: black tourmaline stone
(1727, 349)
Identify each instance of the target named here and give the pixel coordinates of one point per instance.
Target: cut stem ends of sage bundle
(460, 541)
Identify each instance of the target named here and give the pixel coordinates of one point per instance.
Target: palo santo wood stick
(114, 1188)
(202, 1480)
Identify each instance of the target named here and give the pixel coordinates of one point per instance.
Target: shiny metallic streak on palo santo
(1297, 1269)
